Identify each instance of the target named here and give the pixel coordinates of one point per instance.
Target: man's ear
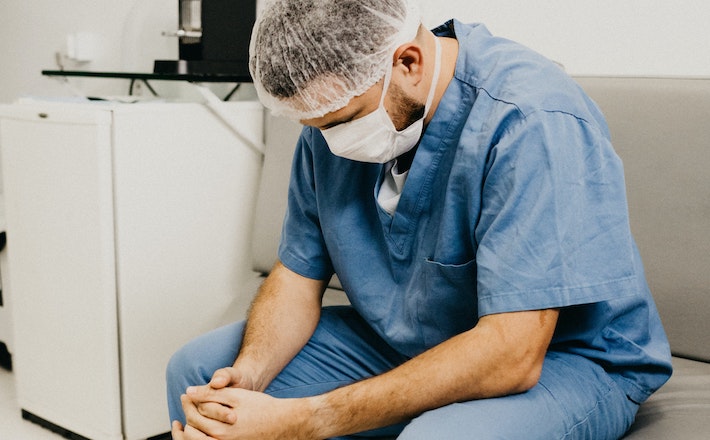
(408, 62)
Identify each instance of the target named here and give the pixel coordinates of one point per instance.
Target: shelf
(194, 77)
(191, 77)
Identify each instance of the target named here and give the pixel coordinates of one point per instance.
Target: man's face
(402, 109)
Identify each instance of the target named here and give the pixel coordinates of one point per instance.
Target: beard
(407, 111)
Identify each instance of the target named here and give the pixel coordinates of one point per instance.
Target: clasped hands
(227, 409)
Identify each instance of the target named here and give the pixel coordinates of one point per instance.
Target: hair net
(311, 57)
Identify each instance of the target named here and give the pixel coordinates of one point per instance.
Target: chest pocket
(448, 304)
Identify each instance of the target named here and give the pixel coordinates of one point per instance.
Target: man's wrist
(251, 377)
(317, 418)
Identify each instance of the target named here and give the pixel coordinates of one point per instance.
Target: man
(466, 193)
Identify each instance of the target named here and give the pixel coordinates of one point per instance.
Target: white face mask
(373, 137)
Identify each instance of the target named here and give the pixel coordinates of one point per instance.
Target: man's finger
(222, 378)
(201, 393)
(196, 421)
(195, 434)
(217, 411)
(210, 403)
(177, 431)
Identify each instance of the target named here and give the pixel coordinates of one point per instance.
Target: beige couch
(661, 130)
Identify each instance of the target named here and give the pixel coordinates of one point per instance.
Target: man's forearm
(282, 318)
(481, 363)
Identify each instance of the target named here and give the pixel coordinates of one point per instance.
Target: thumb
(224, 377)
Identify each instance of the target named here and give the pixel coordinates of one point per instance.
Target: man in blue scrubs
(465, 191)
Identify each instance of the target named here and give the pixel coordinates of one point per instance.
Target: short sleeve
(553, 229)
(302, 248)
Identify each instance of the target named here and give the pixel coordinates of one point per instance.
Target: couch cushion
(679, 410)
(660, 129)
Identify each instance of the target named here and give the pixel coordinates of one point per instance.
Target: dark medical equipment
(213, 38)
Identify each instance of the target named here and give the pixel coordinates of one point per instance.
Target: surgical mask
(373, 137)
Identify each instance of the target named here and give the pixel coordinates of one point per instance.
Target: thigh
(575, 399)
(342, 350)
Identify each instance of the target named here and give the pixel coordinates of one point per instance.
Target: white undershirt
(391, 188)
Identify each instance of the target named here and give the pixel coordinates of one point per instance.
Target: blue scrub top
(515, 201)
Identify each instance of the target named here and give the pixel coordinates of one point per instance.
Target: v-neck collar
(400, 227)
(440, 134)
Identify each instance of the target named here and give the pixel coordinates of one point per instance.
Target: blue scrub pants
(575, 398)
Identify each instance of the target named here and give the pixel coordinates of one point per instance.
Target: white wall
(606, 37)
(629, 37)
(126, 34)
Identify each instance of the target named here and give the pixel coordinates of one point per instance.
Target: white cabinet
(128, 234)
(5, 316)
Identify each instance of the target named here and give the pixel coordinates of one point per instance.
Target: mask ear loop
(434, 78)
(385, 86)
(408, 32)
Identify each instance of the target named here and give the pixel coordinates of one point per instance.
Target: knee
(180, 373)
(456, 421)
(194, 363)
(177, 365)
(183, 369)
(419, 429)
